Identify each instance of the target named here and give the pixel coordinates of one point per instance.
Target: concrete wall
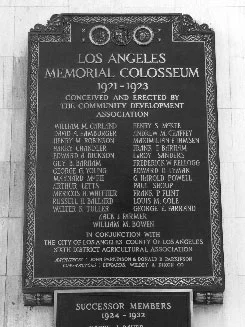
(227, 18)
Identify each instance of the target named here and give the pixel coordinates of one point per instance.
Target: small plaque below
(136, 308)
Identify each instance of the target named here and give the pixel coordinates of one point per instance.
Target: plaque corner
(38, 299)
(190, 26)
(208, 297)
(54, 25)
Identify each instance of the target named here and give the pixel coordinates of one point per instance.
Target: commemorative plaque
(122, 167)
(128, 309)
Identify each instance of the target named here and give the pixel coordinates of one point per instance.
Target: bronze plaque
(122, 167)
(123, 309)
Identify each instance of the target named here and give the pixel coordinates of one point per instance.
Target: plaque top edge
(56, 24)
(130, 290)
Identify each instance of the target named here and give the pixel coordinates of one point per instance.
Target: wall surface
(227, 18)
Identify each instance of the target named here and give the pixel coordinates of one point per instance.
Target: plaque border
(111, 291)
(184, 29)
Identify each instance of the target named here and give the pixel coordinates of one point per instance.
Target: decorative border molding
(47, 299)
(58, 29)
